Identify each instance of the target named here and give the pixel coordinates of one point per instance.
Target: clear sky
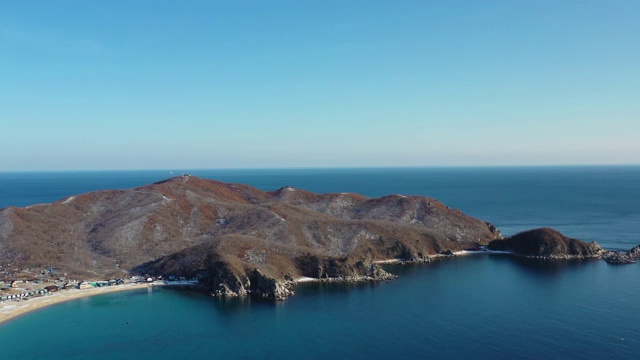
(301, 83)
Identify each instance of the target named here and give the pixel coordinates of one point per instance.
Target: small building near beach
(51, 288)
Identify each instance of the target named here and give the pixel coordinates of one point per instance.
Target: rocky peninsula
(239, 240)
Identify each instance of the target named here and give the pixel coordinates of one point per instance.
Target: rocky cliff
(242, 239)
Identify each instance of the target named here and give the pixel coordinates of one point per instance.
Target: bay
(469, 307)
(473, 307)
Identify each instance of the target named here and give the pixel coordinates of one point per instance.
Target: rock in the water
(547, 243)
(622, 257)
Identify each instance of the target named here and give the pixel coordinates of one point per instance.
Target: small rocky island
(547, 243)
(240, 240)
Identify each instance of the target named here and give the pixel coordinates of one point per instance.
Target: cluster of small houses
(24, 295)
(71, 284)
(75, 284)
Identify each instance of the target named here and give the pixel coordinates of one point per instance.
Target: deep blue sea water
(481, 307)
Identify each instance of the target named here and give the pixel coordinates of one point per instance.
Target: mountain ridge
(251, 234)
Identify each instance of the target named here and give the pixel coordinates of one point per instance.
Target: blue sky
(260, 84)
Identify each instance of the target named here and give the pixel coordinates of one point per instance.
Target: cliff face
(239, 235)
(547, 243)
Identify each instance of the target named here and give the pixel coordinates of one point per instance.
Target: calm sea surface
(481, 307)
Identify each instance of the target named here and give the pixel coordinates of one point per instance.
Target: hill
(547, 243)
(241, 238)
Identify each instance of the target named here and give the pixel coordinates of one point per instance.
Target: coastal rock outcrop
(547, 243)
(269, 287)
(622, 257)
(238, 239)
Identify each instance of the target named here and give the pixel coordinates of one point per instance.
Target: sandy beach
(12, 309)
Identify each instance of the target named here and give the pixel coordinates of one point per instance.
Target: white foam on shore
(305, 279)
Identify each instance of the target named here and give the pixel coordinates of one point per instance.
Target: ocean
(480, 306)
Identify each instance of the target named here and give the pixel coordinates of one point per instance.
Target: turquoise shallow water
(473, 307)
(477, 307)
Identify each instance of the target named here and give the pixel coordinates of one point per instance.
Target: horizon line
(323, 168)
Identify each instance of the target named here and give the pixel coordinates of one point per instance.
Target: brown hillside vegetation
(548, 243)
(239, 235)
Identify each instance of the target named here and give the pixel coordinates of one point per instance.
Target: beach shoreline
(12, 309)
